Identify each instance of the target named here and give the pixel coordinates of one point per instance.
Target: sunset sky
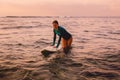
(59, 7)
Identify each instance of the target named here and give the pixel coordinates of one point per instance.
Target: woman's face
(55, 25)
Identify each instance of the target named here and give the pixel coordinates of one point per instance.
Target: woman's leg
(69, 42)
(65, 46)
(64, 43)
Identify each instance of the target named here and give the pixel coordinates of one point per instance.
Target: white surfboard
(50, 50)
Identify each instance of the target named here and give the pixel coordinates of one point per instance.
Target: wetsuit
(62, 33)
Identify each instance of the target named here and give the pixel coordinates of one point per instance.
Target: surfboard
(50, 50)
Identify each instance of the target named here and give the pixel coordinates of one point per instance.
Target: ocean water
(95, 54)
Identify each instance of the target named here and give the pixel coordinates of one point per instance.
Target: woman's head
(55, 24)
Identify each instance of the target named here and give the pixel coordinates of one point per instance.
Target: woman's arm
(59, 40)
(54, 38)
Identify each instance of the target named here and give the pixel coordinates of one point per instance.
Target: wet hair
(55, 21)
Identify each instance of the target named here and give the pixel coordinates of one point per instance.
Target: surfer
(64, 35)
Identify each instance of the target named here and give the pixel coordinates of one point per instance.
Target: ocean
(95, 54)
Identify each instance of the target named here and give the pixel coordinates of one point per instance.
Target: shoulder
(61, 28)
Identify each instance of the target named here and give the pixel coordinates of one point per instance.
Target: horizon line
(61, 16)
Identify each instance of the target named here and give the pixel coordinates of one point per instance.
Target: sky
(59, 8)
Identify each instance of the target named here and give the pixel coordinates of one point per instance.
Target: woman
(62, 33)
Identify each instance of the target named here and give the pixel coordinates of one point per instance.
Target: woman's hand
(54, 47)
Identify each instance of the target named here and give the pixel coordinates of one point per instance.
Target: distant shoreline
(59, 16)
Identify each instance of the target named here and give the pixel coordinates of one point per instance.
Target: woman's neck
(57, 28)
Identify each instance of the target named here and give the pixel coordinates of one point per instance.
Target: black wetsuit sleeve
(59, 40)
(54, 38)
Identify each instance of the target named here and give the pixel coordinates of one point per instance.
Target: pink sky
(60, 7)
